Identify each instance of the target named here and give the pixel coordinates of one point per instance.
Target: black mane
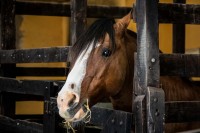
(94, 33)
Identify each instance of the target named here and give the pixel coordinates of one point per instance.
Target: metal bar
(179, 34)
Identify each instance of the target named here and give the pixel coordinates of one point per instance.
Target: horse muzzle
(76, 112)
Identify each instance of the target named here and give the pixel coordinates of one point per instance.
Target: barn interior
(41, 31)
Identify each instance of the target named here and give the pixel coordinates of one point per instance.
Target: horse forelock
(95, 33)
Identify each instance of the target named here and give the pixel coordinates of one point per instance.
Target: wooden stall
(150, 64)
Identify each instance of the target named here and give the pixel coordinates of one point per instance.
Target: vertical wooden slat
(78, 18)
(7, 41)
(147, 48)
(138, 108)
(48, 117)
(7, 33)
(8, 24)
(179, 35)
(78, 25)
(148, 70)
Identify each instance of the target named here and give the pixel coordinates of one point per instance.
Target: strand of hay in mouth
(88, 113)
(86, 120)
(69, 126)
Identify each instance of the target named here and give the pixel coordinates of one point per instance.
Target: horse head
(102, 67)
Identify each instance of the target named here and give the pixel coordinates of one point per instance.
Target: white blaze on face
(76, 75)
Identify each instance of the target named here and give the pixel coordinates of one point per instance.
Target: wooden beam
(167, 13)
(148, 69)
(78, 19)
(182, 111)
(7, 41)
(24, 87)
(175, 111)
(19, 126)
(183, 65)
(41, 71)
(40, 55)
(147, 44)
(179, 34)
(179, 13)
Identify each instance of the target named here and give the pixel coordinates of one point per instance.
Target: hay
(86, 119)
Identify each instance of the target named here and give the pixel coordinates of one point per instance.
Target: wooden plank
(148, 69)
(192, 131)
(19, 126)
(111, 120)
(63, 9)
(78, 25)
(8, 24)
(139, 114)
(147, 44)
(7, 41)
(40, 55)
(179, 35)
(155, 99)
(78, 19)
(48, 117)
(168, 13)
(175, 111)
(179, 13)
(182, 111)
(117, 121)
(24, 87)
(184, 65)
(171, 64)
(41, 71)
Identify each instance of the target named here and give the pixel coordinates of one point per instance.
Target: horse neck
(123, 100)
(179, 89)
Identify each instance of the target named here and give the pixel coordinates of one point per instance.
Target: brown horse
(103, 62)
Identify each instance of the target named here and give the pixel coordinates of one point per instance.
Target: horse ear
(123, 23)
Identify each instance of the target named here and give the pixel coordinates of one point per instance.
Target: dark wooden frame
(118, 120)
(168, 13)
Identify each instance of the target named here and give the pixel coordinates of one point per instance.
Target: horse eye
(106, 52)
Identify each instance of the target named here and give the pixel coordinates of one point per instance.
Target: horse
(102, 67)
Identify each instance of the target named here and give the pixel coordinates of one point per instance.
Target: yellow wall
(165, 31)
(37, 32)
(41, 31)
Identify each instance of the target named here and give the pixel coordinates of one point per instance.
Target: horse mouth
(79, 113)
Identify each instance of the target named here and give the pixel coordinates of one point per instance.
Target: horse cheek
(96, 91)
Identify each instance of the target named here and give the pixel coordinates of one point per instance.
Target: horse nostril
(72, 101)
(61, 100)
